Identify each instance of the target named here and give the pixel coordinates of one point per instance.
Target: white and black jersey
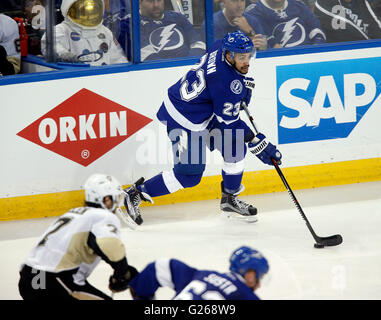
(348, 20)
(70, 249)
(65, 244)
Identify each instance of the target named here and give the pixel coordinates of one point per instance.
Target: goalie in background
(69, 250)
(247, 269)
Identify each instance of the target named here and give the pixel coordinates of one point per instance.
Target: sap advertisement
(325, 100)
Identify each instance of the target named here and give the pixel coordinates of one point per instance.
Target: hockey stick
(321, 242)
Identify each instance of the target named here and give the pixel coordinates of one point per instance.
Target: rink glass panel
(37, 21)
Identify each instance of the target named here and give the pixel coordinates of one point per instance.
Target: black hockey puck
(318, 246)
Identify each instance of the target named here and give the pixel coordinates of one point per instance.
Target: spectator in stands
(163, 34)
(232, 18)
(348, 20)
(10, 59)
(82, 37)
(287, 23)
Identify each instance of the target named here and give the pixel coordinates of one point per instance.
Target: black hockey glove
(118, 284)
(264, 150)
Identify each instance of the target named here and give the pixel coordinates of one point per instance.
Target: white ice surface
(196, 234)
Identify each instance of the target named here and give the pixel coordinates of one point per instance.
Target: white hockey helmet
(98, 186)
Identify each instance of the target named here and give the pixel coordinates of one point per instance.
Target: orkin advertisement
(325, 100)
(84, 127)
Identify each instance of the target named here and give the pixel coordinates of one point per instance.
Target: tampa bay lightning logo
(290, 33)
(236, 86)
(166, 38)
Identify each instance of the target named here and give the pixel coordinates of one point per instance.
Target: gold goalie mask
(86, 13)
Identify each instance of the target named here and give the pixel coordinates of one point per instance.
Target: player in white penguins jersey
(70, 249)
(200, 111)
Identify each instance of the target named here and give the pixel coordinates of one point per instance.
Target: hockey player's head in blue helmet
(250, 264)
(238, 50)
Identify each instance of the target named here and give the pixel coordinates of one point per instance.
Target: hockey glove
(249, 85)
(118, 284)
(264, 150)
(68, 57)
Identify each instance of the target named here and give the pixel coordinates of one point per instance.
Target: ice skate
(234, 208)
(133, 199)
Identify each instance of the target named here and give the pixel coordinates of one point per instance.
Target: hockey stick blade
(324, 241)
(320, 241)
(329, 241)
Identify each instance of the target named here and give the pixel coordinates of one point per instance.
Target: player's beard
(157, 14)
(243, 69)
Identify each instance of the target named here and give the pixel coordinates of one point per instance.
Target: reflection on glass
(88, 31)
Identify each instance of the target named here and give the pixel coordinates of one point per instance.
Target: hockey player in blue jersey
(287, 23)
(247, 269)
(202, 110)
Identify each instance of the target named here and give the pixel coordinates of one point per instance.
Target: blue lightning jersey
(172, 36)
(221, 26)
(291, 26)
(211, 90)
(190, 283)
